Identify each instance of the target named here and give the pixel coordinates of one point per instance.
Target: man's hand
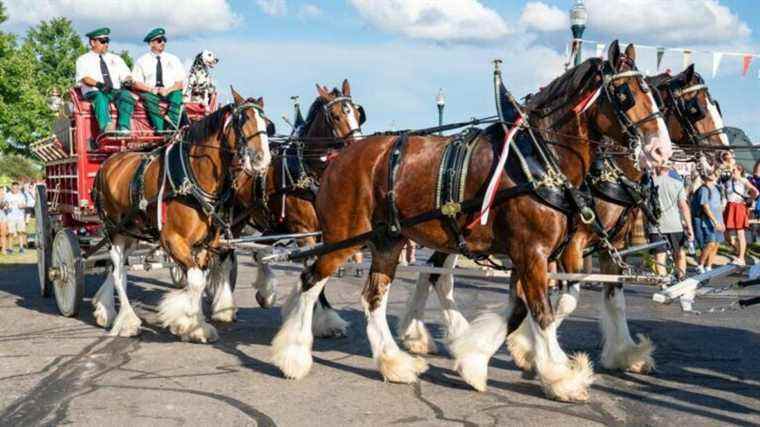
(720, 227)
(690, 233)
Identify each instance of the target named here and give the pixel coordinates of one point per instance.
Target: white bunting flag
(686, 58)
(717, 56)
(599, 50)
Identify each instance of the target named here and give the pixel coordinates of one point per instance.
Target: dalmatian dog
(200, 85)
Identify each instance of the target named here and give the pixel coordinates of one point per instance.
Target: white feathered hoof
(568, 383)
(265, 302)
(636, 358)
(328, 324)
(293, 359)
(202, 332)
(473, 368)
(417, 339)
(127, 324)
(520, 348)
(225, 315)
(104, 315)
(401, 367)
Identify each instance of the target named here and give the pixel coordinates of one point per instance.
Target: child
(707, 210)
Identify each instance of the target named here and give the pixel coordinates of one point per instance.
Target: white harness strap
(690, 89)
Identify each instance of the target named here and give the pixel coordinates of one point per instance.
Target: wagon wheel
(212, 287)
(67, 272)
(179, 276)
(42, 240)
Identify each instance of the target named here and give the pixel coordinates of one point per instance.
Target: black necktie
(159, 73)
(104, 71)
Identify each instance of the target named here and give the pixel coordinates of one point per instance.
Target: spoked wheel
(179, 276)
(42, 242)
(67, 272)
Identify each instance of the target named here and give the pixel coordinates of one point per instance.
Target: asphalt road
(56, 370)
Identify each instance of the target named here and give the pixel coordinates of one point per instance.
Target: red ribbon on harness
(587, 101)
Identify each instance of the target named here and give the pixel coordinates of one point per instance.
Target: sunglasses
(160, 40)
(104, 40)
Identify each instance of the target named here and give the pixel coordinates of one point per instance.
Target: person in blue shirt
(707, 210)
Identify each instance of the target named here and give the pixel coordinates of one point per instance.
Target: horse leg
(562, 378)
(126, 324)
(474, 347)
(412, 331)
(181, 310)
(103, 303)
(265, 286)
(619, 351)
(394, 364)
(456, 323)
(519, 337)
(291, 347)
(327, 322)
(223, 307)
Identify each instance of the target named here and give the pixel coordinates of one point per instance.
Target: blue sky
(398, 53)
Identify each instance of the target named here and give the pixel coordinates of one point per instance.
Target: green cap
(100, 32)
(153, 34)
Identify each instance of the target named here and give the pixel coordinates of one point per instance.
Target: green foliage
(15, 167)
(127, 58)
(56, 46)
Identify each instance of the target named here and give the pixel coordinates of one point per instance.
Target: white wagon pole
(686, 289)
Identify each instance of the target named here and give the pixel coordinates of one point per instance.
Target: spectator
(675, 214)
(739, 193)
(16, 202)
(707, 219)
(30, 196)
(3, 223)
(755, 181)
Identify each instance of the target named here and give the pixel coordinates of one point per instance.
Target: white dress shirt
(88, 65)
(172, 69)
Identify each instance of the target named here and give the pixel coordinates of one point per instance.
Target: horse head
(251, 132)
(340, 112)
(628, 111)
(693, 117)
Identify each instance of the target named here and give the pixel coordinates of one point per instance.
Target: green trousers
(154, 111)
(125, 104)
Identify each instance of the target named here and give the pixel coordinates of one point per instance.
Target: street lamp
(440, 102)
(578, 19)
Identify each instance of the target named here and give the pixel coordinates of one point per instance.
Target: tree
(56, 47)
(127, 58)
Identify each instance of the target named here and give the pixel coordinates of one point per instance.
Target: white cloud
(667, 21)
(308, 11)
(273, 7)
(129, 17)
(440, 20)
(539, 16)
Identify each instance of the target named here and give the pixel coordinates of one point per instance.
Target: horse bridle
(622, 100)
(344, 100)
(688, 112)
(238, 120)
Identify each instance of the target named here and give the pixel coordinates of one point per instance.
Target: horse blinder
(624, 97)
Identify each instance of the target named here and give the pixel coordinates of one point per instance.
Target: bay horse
(176, 195)
(282, 200)
(692, 120)
(378, 181)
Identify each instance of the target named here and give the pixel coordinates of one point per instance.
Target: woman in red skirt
(736, 214)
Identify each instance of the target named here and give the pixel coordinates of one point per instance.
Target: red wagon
(67, 224)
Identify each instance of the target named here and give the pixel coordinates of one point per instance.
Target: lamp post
(440, 102)
(578, 19)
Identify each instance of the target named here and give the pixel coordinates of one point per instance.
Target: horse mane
(659, 79)
(565, 87)
(315, 108)
(208, 126)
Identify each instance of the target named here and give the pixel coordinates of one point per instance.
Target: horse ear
(236, 96)
(613, 55)
(689, 73)
(346, 88)
(630, 52)
(322, 92)
(260, 101)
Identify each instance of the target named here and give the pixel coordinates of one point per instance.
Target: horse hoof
(568, 383)
(104, 316)
(127, 324)
(401, 367)
(328, 324)
(293, 360)
(636, 358)
(204, 333)
(417, 339)
(473, 368)
(265, 302)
